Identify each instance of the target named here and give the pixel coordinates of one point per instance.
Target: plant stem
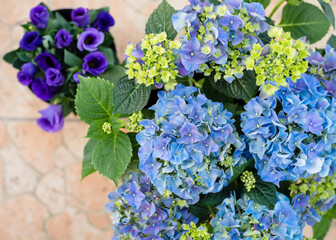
(276, 7)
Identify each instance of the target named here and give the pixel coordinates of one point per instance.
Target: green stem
(276, 7)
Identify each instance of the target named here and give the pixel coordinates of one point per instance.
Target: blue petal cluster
(245, 219)
(140, 212)
(292, 134)
(218, 35)
(187, 149)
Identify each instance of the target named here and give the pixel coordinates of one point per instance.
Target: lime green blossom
(153, 61)
(195, 233)
(283, 57)
(248, 179)
(133, 124)
(107, 127)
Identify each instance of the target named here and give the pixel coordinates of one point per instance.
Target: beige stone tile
(16, 11)
(19, 177)
(99, 220)
(36, 146)
(5, 37)
(63, 157)
(3, 134)
(60, 227)
(22, 218)
(51, 191)
(2, 193)
(108, 234)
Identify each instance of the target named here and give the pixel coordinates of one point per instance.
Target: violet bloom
(191, 55)
(42, 90)
(103, 21)
(90, 39)
(234, 22)
(63, 38)
(81, 16)
(26, 75)
(54, 77)
(135, 197)
(76, 75)
(95, 63)
(46, 60)
(314, 122)
(39, 16)
(52, 119)
(30, 41)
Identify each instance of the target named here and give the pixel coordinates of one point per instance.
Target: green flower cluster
(107, 127)
(283, 57)
(133, 124)
(248, 179)
(153, 61)
(195, 233)
(318, 189)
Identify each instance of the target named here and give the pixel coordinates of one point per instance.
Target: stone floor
(41, 195)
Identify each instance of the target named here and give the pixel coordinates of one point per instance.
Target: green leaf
(215, 2)
(265, 3)
(64, 23)
(328, 11)
(238, 170)
(243, 88)
(305, 20)
(87, 166)
(263, 193)
(161, 20)
(332, 41)
(95, 130)
(112, 155)
(129, 97)
(114, 73)
(108, 54)
(11, 56)
(24, 57)
(94, 99)
(321, 228)
(71, 59)
(294, 2)
(332, 212)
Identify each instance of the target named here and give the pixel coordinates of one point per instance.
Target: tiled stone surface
(41, 195)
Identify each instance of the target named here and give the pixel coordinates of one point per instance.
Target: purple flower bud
(42, 90)
(46, 60)
(63, 38)
(81, 17)
(75, 76)
(26, 75)
(52, 119)
(30, 41)
(90, 39)
(39, 16)
(54, 77)
(103, 21)
(95, 63)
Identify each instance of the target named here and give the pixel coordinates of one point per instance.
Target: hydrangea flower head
(139, 211)
(244, 219)
(292, 134)
(153, 61)
(191, 145)
(218, 38)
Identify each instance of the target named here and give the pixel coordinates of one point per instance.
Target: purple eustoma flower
(46, 60)
(63, 39)
(103, 21)
(95, 63)
(26, 75)
(42, 90)
(52, 119)
(81, 16)
(76, 75)
(54, 77)
(39, 16)
(30, 41)
(90, 39)
(191, 55)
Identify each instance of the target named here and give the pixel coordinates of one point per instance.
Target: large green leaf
(87, 166)
(129, 97)
(243, 88)
(71, 59)
(332, 212)
(294, 2)
(112, 154)
(328, 11)
(108, 53)
(305, 20)
(321, 228)
(114, 73)
(11, 56)
(64, 23)
(332, 41)
(94, 99)
(161, 20)
(264, 193)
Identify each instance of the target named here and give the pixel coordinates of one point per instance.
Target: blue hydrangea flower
(236, 220)
(191, 145)
(139, 211)
(292, 134)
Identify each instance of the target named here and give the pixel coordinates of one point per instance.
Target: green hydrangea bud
(133, 124)
(248, 179)
(195, 233)
(107, 127)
